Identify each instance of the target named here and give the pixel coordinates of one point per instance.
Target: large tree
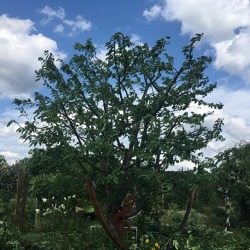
(125, 119)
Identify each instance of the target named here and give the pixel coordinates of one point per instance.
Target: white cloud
(152, 13)
(7, 131)
(10, 145)
(136, 39)
(238, 128)
(225, 24)
(79, 24)
(59, 28)
(182, 166)
(76, 25)
(233, 55)
(48, 11)
(236, 102)
(11, 157)
(20, 49)
(217, 19)
(216, 146)
(101, 52)
(235, 114)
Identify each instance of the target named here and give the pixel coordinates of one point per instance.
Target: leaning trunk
(101, 217)
(188, 210)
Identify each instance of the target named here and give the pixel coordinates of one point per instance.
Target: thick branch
(189, 207)
(100, 215)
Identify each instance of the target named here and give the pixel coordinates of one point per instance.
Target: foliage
(9, 237)
(204, 232)
(8, 181)
(58, 186)
(23, 164)
(234, 172)
(148, 242)
(69, 231)
(3, 162)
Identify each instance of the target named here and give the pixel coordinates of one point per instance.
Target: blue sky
(27, 28)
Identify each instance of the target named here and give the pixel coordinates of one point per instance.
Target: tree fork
(88, 184)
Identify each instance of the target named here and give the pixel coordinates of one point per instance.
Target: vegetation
(53, 224)
(121, 123)
(235, 174)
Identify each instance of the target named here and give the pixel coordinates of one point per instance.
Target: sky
(28, 28)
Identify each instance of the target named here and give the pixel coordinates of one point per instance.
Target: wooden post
(22, 187)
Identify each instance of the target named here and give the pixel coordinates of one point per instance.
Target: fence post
(21, 197)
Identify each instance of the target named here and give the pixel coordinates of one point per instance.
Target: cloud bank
(73, 26)
(20, 49)
(225, 24)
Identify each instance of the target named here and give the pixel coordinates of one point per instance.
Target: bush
(9, 237)
(8, 182)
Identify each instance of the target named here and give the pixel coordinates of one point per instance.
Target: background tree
(3, 162)
(234, 175)
(8, 177)
(123, 120)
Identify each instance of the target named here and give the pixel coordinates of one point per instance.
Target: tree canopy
(123, 119)
(3, 161)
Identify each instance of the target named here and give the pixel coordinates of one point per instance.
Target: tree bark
(101, 217)
(188, 210)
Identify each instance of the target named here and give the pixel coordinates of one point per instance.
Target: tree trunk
(100, 216)
(189, 207)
